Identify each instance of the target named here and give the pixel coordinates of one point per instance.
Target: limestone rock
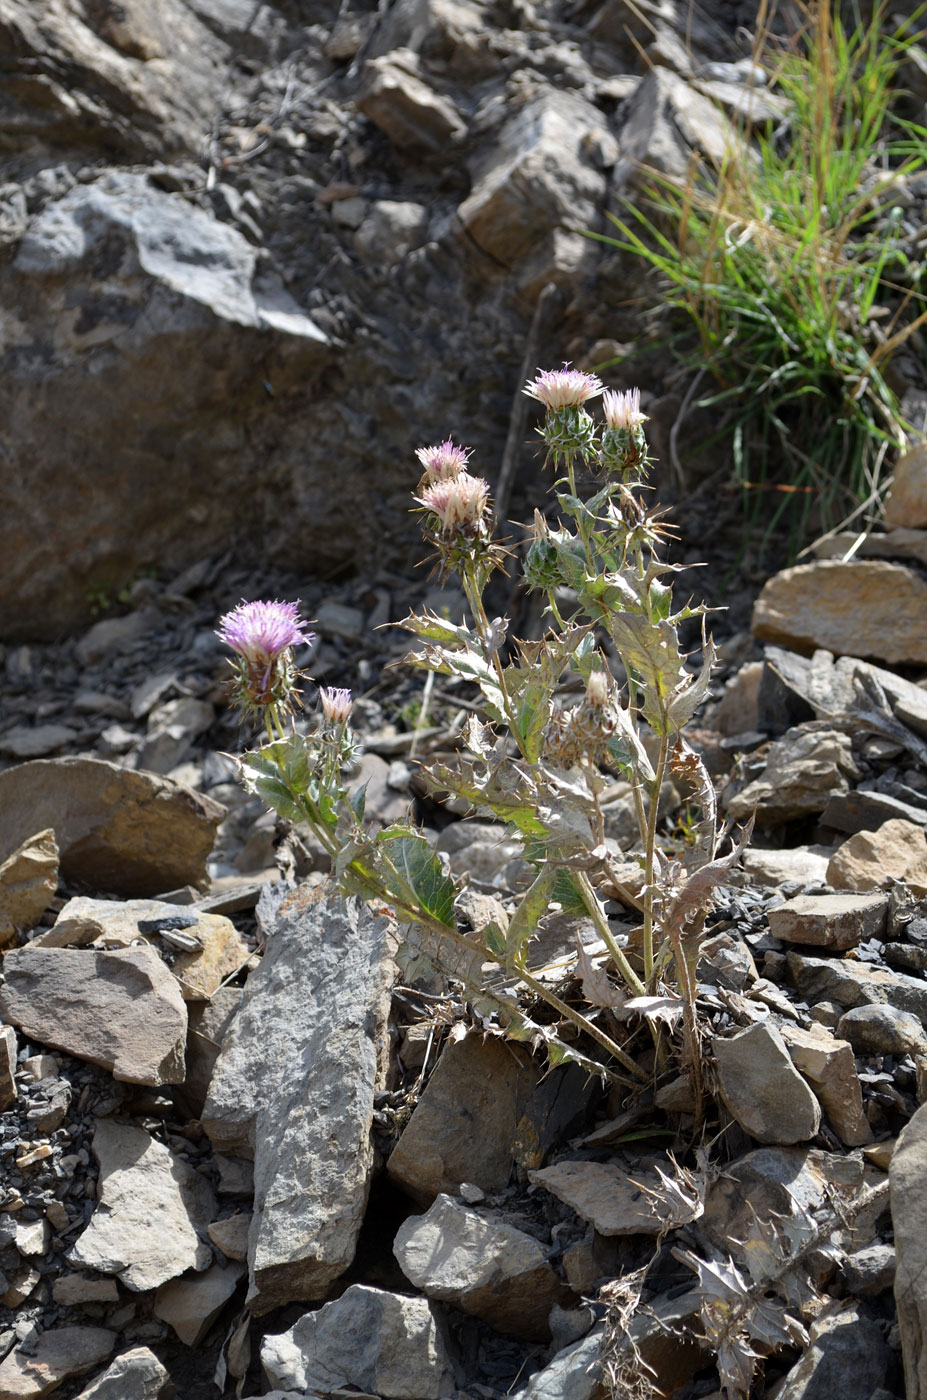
(231, 1235)
(410, 113)
(294, 1087)
(378, 1342)
(135, 1375)
(612, 1199)
(805, 863)
(762, 1089)
(897, 850)
(847, 1356)
(8, 1089)
(482, 1109)
(883, 1030)
(865, 608)
(575, 1373)
(906, 502)
(804, 769)
(122, 1010)
(218, 949)
(28, 881)
(856, 984)
(58, 1355)
(481, 1265)
(192, 1304)
(830, 1066)
(907, 1174)
(837, 921)
(152, 1212)
(124, 832)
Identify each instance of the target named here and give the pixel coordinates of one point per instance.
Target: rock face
(124, 832)
(314, 1011)
(122, 1010)
(374, 1341)
(908, 1173)
(865, 608)
(152, 1215)
(58, 1355)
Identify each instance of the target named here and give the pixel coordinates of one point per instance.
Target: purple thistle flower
(459, 503)
(336, 703)
(263, 635)
(444, 461)
(563, 388)
(623, 410)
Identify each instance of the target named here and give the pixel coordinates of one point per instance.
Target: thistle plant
(533, 759)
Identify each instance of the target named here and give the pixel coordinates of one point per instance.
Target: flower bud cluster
(456, 506)
(569, 431)
(555, 558)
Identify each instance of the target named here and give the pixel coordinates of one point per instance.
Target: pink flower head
(563, 388)
(259, 632)
(443, 462)
(458, 503)
(623, 410)
(336, 704)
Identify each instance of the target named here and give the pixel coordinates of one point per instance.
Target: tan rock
(193, 1303)
(738, 709)
(8, 1089)
(838, 921)
(615, 1201)
(907, 1173)
(906, 502)
(231, 1235)
(897, 850)
(862, 608)
(805, 863)
(28, 881)
(59, 1354)
(406, 108)
(761, 1087)
(830, 1066)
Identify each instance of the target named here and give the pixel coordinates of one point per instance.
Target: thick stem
(649, 850)
(571, 1014)
(490, 653)
(592, 903)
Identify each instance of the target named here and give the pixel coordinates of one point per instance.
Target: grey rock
(726, 961)
(856, 984)
(56, 1356)
(807, 864)
(313, 1014)
(8, 1088)
(123, 832)
(868, 1272)
(762, 1089)
(72, 1290)
(804, 769)
(880, 1029)
(122, 1010)
(36, 741)
(836, 921)
(135, 1375)
(390, 230)
(847, 1356)
(191, 1304)
(665, 119)
(114, 634)
(867, 811)
(209, 1022)
(152, 1213)
(576, 1373)
(614, 1200)
(405, 107)
(481, 1265)
(378, 1342)
(907, 1174)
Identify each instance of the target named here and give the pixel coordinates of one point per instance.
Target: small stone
(8, 1087)
(58, 1355)
(231, 1235)
(612, 1199)
(36, 741)
(846, 1356)
(852, 983)
(73, 1290)
(22, 1280)
(836, 921)
(190, 1305)
(830, 1065)
(114, 635)
(804, 769)
(41, 1067)
(805, 864)
(868, 1272)
(122, 1010)
(481, 1265)
(370, 1340)
(31, 1237)
(28, 881)
(761, 1087)
(897, 850)
(152, 1211)
(906, 502)
(135, 1375)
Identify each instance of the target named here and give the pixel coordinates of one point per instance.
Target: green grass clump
(784, 263)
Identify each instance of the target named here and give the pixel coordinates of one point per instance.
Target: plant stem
(579, 1020)
(649, 850)
(490, 653)
(593, 904)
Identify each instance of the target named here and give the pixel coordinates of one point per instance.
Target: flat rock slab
(896, 850)
(294, 1087)
(60, 1354)
(830, 1066)
(381, 1343)
(481, 1265)
(851, 983)
(135, 1375)
(836, 921)
(28, 880)
(129, 833)
(761, 1087)
(614, 1200)
(218, 949)
(866, 608)
(907, 1174)
(483, 1110)
(122, 1010)
(807, 864)
(191, 1305)
(150, 1223)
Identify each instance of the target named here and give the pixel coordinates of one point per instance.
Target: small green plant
(531, 760)
(783, 261)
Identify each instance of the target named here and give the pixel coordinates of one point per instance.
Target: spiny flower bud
(264, 635)
(459, 504)
(442, 462)
(567, 431)
(598, 690)
(623, 410)
(336, 703)
(624, 447)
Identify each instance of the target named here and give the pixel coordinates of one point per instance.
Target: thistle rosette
(567, 431)
(623, 448)
(263, 635)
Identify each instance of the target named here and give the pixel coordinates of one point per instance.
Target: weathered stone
(762, 1089)
(852, 983)
(883, 1030)
(829, 1064)
(864, 608)
(122, 1010)
(867, 811)
(805, 863)
(378, 1342)
(135, 1375)
(836, 921)
(897, 850)
(313, 1014)
(847, 1356)
(36, 741)
(737, 711)
(906, 502)
(28, 881)
(231, 1235)
(209, 1024)
(907, 1174)
(191, 1305)
(110, 924)
(8, 1089)
(615, 1201)
(576, 1373)
(481, 1265)
(405, 108)
(483, 1109)
(868, 1272)
(57, 1355)
(71, 1290)
(390, 230)
(120, 831)
(666, 119)
(803, 771)
(153, 1209)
